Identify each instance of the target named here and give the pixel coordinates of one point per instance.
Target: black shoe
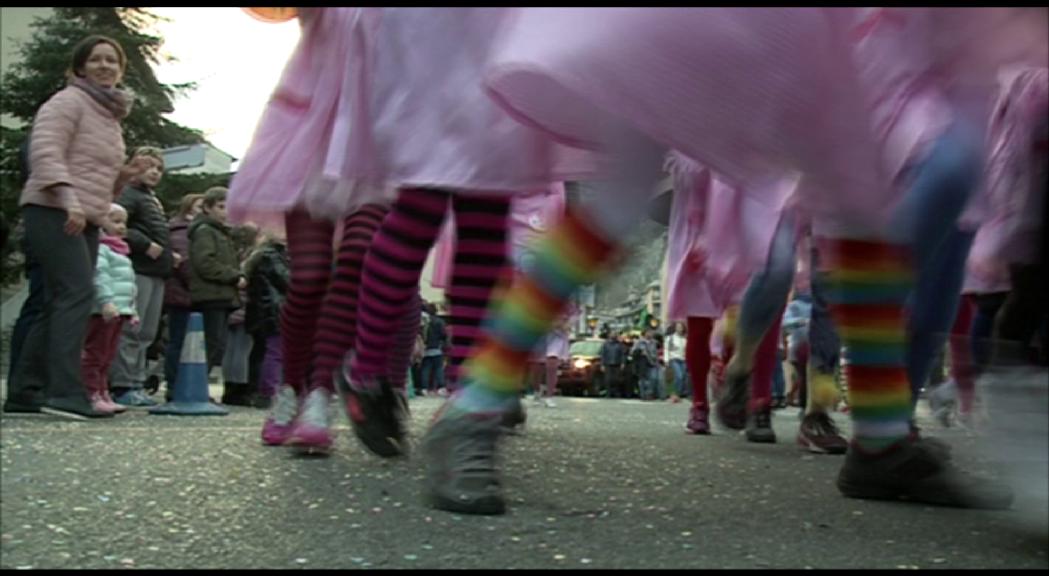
(731, 408)
(72, 408)
(377, 417)
(915, 472)
(261, 402)
(236, 394)
(12, 406)
(514, 418)
(940, 448)
(152, 384)
(759, 427)
(819, 434)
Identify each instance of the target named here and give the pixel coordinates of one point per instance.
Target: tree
(41, 72)
(45, 58)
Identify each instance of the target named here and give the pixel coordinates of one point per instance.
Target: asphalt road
(592, 484)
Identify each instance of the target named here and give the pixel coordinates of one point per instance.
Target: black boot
(236, 394)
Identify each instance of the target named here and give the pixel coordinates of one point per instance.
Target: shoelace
(285, 407)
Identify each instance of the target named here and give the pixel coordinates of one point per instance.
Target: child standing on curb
(269, 274)
(115, 293)
(215, 276)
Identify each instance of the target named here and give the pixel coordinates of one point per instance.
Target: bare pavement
(594, 484)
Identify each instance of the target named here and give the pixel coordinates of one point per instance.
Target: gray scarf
(117, 101)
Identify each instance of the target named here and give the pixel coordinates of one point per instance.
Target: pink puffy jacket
(79, 143)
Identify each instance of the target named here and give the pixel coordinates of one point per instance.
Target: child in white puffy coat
(115, 294)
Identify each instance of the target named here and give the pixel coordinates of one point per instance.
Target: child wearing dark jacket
(268, 272)
(215, 275)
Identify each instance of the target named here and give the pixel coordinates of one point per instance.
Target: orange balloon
(272, 14)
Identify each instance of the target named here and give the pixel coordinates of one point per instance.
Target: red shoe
(819, 434)
(98, 404)
(116, 408)
(698, 421)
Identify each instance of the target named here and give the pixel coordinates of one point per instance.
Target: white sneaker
(312, 430)
(549, 402)
(942, 401)
(277, 428)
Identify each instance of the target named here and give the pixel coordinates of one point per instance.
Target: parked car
(578, 376)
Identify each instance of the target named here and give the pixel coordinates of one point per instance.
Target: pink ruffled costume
(284, 168)
(718, 237)
(531, 215)
(1010, 232)
(751, 93)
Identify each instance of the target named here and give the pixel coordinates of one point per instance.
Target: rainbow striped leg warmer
(570, 255)
(868, 283)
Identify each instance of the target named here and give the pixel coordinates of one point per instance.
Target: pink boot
(115, 408)
(698, 420)
(98, 403)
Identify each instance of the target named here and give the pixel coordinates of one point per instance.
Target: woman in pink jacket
(76, 159)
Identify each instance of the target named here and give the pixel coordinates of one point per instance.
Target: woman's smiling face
(103, 66)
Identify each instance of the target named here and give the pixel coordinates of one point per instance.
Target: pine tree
(41, 72)
(45, 58)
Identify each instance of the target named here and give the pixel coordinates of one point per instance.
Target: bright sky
(235, 61)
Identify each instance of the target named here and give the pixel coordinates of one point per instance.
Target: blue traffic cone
(190, 396)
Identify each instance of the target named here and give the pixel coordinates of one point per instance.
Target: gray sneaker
(459, 453)
(731, 407)
(939, 447)
(514, 419)
(917, 473)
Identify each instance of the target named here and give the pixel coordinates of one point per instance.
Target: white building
(197, 159)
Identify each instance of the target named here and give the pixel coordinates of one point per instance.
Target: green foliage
(41, 71)
(46, 57)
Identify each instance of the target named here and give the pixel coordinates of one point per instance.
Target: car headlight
(579, 364)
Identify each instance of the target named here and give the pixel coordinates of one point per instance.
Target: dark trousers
(433, 373)
(216, 332)
(178, 321)
(987, 307)
(1022, 313)
(49, 366)
(417, 373)
(31, 310)
(612, 381)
